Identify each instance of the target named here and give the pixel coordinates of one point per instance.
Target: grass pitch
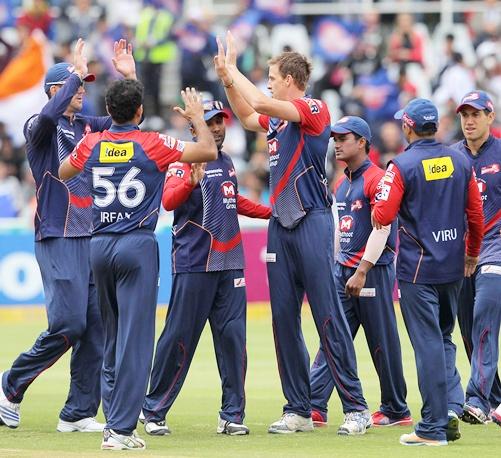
(194, 415)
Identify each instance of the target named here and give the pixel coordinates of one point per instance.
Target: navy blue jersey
(355, 195)
(63, 209)
(206, 234)
(125, 169)
(487, 166)
(431, 218)
(297, 152)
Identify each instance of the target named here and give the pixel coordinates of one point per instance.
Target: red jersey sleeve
(390, 192)
(82, 151)
(264, 121)
(162, 149)
(251, 209)
(314, 115)
(177, 187)
(475, 217)
(372, 179)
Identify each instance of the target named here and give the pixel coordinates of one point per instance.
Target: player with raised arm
(300, 252)
(365, 276)
(208, 283)
(126, 169)
(63, 223)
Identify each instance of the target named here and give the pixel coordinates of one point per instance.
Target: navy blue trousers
(483, 389)
(125, 269)
(467, 299)
(377, 317)
(429, 313)
(299, 261)
(195, 298)
(73, 321)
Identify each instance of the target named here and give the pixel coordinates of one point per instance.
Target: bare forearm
(249, 92)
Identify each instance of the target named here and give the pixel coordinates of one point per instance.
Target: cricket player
(300, 252)
(126, 169)
(432, 188)
(208, 283)
(479, 312)
(365, 277)
(63, 224)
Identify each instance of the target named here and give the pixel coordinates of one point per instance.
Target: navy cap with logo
(213, 108)
(59, 73)
(479, 100)
(352, 124)
(419, 114)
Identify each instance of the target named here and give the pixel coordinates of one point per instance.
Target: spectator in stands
(154, 47)
(10, 193)
(37, 16)
(197, 46)
(405, 43)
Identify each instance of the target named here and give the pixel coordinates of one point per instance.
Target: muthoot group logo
(116, 152)
(438, 168)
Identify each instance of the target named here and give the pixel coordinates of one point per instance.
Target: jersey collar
(123, 127)
(352, 175)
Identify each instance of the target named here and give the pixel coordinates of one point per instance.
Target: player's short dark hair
(367, 142)
(428, 130)
(294, 64)
(123, 98)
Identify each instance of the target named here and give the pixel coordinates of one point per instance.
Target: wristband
(228, 86)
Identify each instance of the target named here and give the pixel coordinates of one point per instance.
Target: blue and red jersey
(63, 209)
(206, 234)
(125, 169)
(297, 152)
(487, 166)
(355, 196)
(431, 187)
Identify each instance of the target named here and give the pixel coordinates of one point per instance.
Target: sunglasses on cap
(213, 105)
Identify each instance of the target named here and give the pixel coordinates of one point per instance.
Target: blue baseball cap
(418, 113)
(352, 124)
(59, 73)
(213, 108)
(479, 100)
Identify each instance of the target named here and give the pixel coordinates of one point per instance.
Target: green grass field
(194, 415)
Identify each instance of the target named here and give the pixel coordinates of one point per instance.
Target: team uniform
(300, 258)
(63, 225)
(479, 312)
(208, 284)
(126, 169)
(431, 186)
(355, 195)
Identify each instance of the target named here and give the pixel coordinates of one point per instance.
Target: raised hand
(197, 173)
(124, 61)
(220, 64)
(79, 59)
(231, 50)
(193, 107)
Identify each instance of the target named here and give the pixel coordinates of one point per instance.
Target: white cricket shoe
(115, 441)
(355, 423)
(291, 423)
(142, 418)
(85, 425)
(9, 411)
(230, 428)
(156, 428)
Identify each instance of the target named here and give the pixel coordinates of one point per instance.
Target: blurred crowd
(368, 65)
